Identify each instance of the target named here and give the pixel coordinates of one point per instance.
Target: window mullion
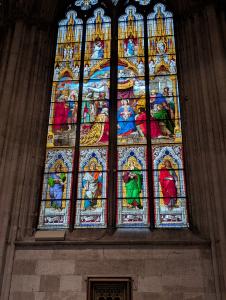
(77, 145)
(112, 182)
(148, 109)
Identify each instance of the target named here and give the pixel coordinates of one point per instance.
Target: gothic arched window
(114, 149)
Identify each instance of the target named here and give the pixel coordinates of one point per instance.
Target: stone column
(25, 85)
(202, 65)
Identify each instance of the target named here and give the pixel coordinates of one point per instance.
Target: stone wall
(168, 273)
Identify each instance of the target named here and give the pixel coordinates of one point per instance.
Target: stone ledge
(49, 235)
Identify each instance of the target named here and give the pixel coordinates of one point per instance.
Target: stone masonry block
(22, 296)
(150, 284)
(24, 267)
(27, 283)
(33, 254)
(49, 283)
(65, 296)
(40, 296)
(55, 267)
(71, 283)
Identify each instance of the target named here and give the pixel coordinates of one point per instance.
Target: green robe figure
(133, 183)
(162, 115)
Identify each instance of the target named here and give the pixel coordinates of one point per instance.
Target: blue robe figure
(126, 119)
(159, 99)
(130, 48)
(56, 183)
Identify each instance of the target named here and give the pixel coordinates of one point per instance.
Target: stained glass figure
(131, 118)
(132, 187)
(92, 188)
(169, 186)
(56, 194)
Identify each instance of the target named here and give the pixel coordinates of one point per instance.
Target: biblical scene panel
(92, 109)
(164, 130)
(63, 111)
(165, 109)
(55, 207)
(65, 90)
(92, 187)
(100, 71)
(129, 88)
(131, 117)
(169, 183)
(96, 89)
(128, 71)
(132, 186)
(63, 135)
(95, 134)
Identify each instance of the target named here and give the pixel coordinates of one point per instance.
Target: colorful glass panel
(147, 110)
(57, 182)
(132, 208)
(85, 4)
(132, 183)
(168, 170)
(91, 206)
(56, 192)
(92, 183)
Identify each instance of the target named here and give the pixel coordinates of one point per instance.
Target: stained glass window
(58, 178)
(140, 125)
(165, 122)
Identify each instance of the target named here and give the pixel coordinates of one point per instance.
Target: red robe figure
(141, 121)
(60, 118)
(168, 180)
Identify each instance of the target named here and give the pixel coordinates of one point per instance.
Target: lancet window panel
(115, 144)
(91, 205)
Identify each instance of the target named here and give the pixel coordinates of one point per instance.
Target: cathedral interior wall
(156, 272)
(166, 269)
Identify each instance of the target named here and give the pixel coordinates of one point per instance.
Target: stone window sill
(124, 237)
